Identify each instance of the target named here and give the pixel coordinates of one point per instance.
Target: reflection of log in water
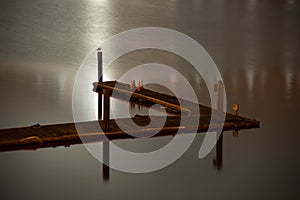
(218, 160)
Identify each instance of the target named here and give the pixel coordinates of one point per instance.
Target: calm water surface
(255, 44)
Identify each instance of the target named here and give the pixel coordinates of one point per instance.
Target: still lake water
(255, 44)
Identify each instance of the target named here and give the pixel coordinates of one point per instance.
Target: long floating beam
(38, 136)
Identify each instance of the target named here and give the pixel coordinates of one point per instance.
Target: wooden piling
(220, 100)
(105, 153)
(100, 78)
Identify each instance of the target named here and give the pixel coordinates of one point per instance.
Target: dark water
(255, 44)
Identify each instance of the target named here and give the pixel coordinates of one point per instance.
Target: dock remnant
(66, 134)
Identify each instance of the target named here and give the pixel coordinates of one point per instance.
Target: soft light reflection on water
(254, 44)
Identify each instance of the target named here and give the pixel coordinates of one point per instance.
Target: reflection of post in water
(105, 160)
(106, 129)
(218, 160)
(105, 150)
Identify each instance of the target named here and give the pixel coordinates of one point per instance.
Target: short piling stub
(235, 108)
(219, 88)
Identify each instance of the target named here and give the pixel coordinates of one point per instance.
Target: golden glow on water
(250, 74)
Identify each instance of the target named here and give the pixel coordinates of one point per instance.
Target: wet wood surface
(37, 136)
